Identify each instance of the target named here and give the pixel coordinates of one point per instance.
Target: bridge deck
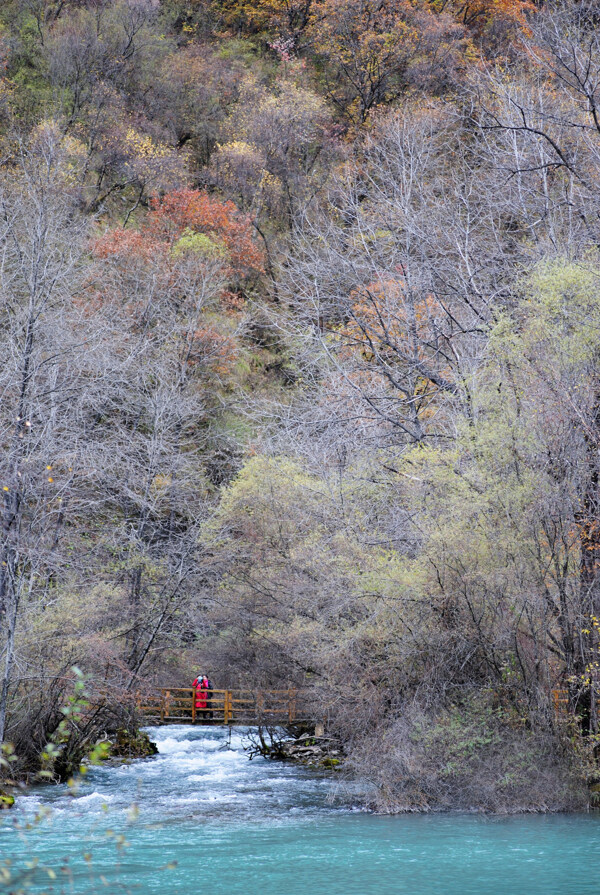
(177, 705)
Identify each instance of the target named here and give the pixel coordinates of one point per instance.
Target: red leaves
(185, 262)
(187, 211)
(120, 243)
(213, 348)
(196, 210)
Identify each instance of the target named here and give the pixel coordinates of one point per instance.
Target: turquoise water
(234, 827)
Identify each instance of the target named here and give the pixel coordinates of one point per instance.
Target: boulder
(132, 745)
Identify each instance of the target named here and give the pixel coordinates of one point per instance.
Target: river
(201, 819)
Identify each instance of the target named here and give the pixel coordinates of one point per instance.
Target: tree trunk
(12, 614)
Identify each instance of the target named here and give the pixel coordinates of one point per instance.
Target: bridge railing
(173, 704)
(560, 703)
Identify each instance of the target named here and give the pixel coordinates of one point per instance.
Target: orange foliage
(121, 243)
(129, 259)
(385, 323)
(180, 211)
(211, 347)
(372, 49)
(390, 330)
(369, 46)
(196, 210)
(481, 15)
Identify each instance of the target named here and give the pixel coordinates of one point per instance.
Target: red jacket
(200, 694)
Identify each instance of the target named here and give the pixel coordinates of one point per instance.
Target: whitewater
(201, 818)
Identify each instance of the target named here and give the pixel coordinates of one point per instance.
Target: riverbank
(482, 772)
(200, 817)
(314, 751)
(123, 745)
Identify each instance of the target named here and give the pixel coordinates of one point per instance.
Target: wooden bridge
(177, 705)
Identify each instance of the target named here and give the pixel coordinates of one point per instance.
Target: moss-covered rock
(6, 800)
(135, 744)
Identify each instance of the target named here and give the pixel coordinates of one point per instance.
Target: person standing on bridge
(209, 702)
(200, 694)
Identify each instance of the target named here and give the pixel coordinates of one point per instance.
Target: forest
(300, 329)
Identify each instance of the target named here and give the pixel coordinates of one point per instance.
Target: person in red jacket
(209, 695)
(200, 694)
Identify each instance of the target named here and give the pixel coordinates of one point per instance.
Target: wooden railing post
(225, 707)
(193, 705)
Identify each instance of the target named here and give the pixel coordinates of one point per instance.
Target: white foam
(171, 745)
(215, 776)
(94, 796)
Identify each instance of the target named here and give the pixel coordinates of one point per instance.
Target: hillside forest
(300, 382)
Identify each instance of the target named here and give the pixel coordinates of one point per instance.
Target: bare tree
(44, 379)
